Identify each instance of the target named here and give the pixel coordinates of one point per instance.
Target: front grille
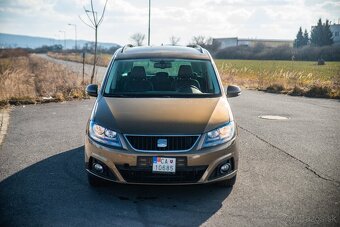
(135, 174)
(173, 143)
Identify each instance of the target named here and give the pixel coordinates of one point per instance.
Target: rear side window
(162, 77)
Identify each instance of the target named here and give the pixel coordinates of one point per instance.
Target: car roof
(180, 52)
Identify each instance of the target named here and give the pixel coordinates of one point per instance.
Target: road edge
(4, 122)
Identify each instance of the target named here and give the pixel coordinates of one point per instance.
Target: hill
(13, 41)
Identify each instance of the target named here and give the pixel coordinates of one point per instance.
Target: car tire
(95, 181)
(227, 183)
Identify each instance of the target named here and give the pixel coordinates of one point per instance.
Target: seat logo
(162, 143)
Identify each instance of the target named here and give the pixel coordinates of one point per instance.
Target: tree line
(262, 52)
(318, 45)
(138, 40)
(321, 35)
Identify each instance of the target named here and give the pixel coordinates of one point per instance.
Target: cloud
(278, 19)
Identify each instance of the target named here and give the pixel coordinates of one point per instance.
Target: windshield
(162, 78)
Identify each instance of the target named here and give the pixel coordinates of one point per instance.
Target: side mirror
(92, 90)
(233, 91)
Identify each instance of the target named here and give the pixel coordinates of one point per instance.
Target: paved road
(288, 176)
(78, 67)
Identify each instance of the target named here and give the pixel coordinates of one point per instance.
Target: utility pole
(64, 38)
(149, 22)
(83, 67)
(75, 35)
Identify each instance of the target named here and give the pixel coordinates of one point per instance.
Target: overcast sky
(270, 19)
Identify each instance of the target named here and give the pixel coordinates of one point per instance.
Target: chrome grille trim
(157, 135)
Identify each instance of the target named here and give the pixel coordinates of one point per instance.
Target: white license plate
(164, 165)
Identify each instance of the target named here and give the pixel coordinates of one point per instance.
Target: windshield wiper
(116, 95)
(161, 95)
(140, 95)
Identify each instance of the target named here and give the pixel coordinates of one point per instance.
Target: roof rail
(196, 46)
(125, 47)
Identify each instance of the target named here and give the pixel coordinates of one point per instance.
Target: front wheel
(227, 183)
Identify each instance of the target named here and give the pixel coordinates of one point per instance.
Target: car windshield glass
(162, 78)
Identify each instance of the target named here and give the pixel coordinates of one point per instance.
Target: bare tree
(138, 38)
(201, 40)
(209, 41)
(174, 40)
(94, 23)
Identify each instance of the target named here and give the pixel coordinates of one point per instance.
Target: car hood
(161, 115)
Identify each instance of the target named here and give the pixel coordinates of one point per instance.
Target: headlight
(103, 135)
(220, 135)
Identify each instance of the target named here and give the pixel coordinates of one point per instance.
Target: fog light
(225, 168)
(98, 168)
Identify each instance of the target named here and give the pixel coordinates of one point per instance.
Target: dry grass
(31, 79)
(16, 52)
(295, 78)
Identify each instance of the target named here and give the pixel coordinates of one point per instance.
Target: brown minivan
(161, 117)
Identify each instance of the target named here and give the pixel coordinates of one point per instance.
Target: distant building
(235, 41)
(335, 29)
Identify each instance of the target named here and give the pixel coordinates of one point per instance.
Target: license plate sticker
(164, 165)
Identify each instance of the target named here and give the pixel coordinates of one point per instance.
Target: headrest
(138, 71)
(185, 71)
(162, 75)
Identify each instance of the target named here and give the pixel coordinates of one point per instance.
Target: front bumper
(132, 167)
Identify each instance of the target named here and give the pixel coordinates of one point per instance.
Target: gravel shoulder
(4, 121)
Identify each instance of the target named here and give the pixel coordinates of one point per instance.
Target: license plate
(164, 165)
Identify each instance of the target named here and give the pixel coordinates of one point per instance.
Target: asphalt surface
(78, 67)
(288, 171)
